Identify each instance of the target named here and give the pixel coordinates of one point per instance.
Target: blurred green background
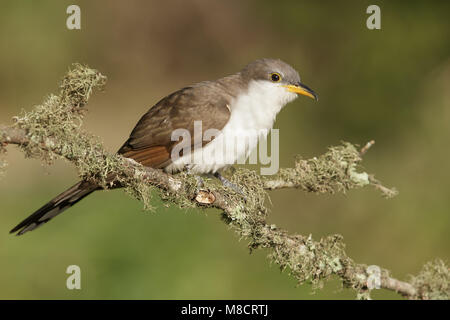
(391, 85)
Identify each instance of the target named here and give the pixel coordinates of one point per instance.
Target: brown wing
(150, 141)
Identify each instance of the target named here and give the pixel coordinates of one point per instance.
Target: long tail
(55, 206)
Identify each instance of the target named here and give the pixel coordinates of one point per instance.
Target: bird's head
(278, 77)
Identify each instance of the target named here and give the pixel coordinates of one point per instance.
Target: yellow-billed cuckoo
(248, 100)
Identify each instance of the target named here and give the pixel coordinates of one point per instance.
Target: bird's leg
(200, 182)
(228, 183)
(225, 181)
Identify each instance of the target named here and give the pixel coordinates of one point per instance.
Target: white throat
(258, 107)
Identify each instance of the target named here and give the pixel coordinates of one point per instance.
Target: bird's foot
(200, 182)
(227, 183)
(198, 179)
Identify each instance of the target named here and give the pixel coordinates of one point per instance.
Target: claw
(200, 182)
(228, 183)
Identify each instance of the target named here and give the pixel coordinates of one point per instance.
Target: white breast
(252, 116)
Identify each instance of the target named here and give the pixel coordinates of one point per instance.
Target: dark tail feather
(56, 206)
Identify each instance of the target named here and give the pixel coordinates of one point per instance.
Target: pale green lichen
(337, 170)
(361, 179)
(3, 165)
(433, 281)
(54, 132)
(55, 124)
(312, 261)
(329, 173)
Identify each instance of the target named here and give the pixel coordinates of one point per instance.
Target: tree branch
(53, 130)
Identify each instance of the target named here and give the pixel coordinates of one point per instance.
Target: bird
(247, 101)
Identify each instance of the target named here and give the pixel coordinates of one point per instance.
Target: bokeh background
(391, 85)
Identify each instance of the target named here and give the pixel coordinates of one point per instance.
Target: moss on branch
(53, 130)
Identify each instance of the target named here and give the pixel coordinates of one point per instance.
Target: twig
(52, 130)
(366, 147)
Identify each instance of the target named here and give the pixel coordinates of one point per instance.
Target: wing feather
(150, 141)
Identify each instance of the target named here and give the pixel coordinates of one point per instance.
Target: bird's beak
(300, 88)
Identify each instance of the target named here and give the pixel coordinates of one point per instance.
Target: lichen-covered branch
(53, 130)
(334, 171)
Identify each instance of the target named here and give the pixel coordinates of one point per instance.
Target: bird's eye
(275, 77)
